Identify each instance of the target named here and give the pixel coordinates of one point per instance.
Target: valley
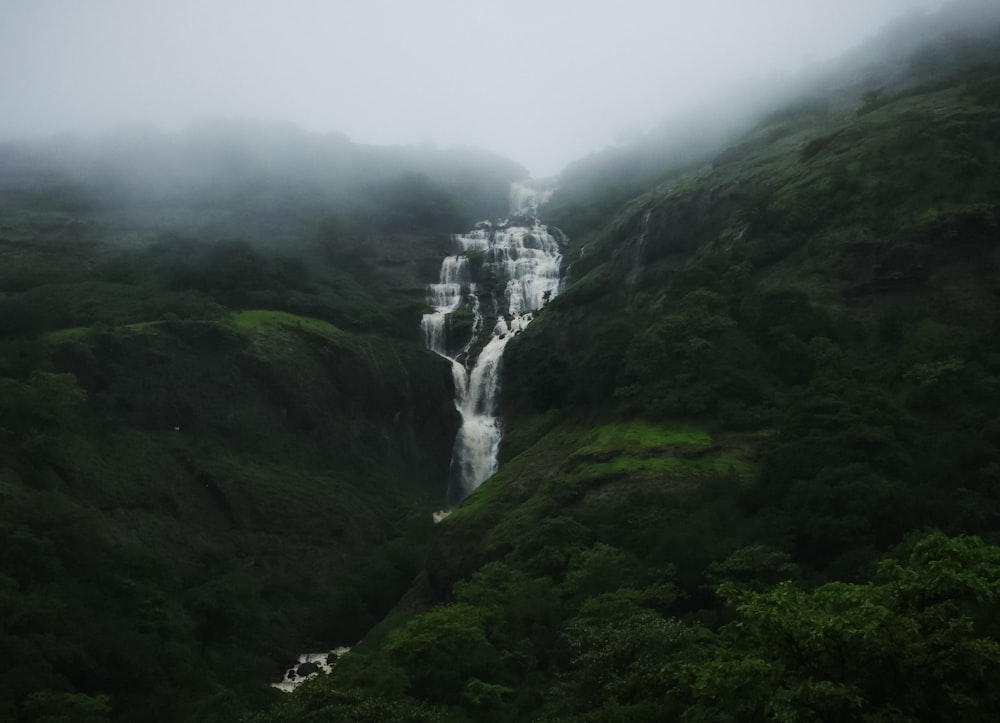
(706, 428)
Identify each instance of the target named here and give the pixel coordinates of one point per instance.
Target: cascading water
(522, 258)
(445, 297)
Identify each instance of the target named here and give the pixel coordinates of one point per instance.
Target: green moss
(573, 457)
(65, 336)
(277, 335)
(639, 446)
(637, 434)
(720, 465)
(506, 488)
(256, 322)
(260, 320)
(482, 499)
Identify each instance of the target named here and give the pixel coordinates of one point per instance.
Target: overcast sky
(541, 81)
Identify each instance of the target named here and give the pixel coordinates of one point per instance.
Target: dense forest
(221, 439)
(749, 466)
(751, 458)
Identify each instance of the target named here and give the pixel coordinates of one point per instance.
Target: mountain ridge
(749, 462)
(813, 311)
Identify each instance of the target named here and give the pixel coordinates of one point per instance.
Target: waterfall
(445, 296)
(519, 271)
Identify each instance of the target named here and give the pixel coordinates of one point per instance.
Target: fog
(543, 83)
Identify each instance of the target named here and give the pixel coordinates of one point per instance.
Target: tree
(918, 643)
(50, 707)
(442, 650)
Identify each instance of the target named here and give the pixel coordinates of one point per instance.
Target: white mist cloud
(543, 82)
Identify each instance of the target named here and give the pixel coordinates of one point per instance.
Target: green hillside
(218, 448)
(750, 467)
(750, 462)
(189, 504)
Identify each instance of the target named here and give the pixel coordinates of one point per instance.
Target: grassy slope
(786, 355)
(205, 466)
(229, 492)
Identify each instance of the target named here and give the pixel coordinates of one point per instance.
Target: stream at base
(307, 667)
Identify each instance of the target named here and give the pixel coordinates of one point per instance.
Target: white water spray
(522, 259)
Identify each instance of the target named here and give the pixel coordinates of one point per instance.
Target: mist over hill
(750, 449)
(760, 411)
(238, 174)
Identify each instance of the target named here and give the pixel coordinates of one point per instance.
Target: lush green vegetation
(221, 440)
(750, 463)
(196, 502)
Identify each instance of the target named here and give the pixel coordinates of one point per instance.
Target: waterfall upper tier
(529, 260)
(511, 268)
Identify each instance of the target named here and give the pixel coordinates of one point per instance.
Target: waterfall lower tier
(519, 272)
(474, 457)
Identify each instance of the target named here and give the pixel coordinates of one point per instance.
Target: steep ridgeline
(768, 376)
(500, 275)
